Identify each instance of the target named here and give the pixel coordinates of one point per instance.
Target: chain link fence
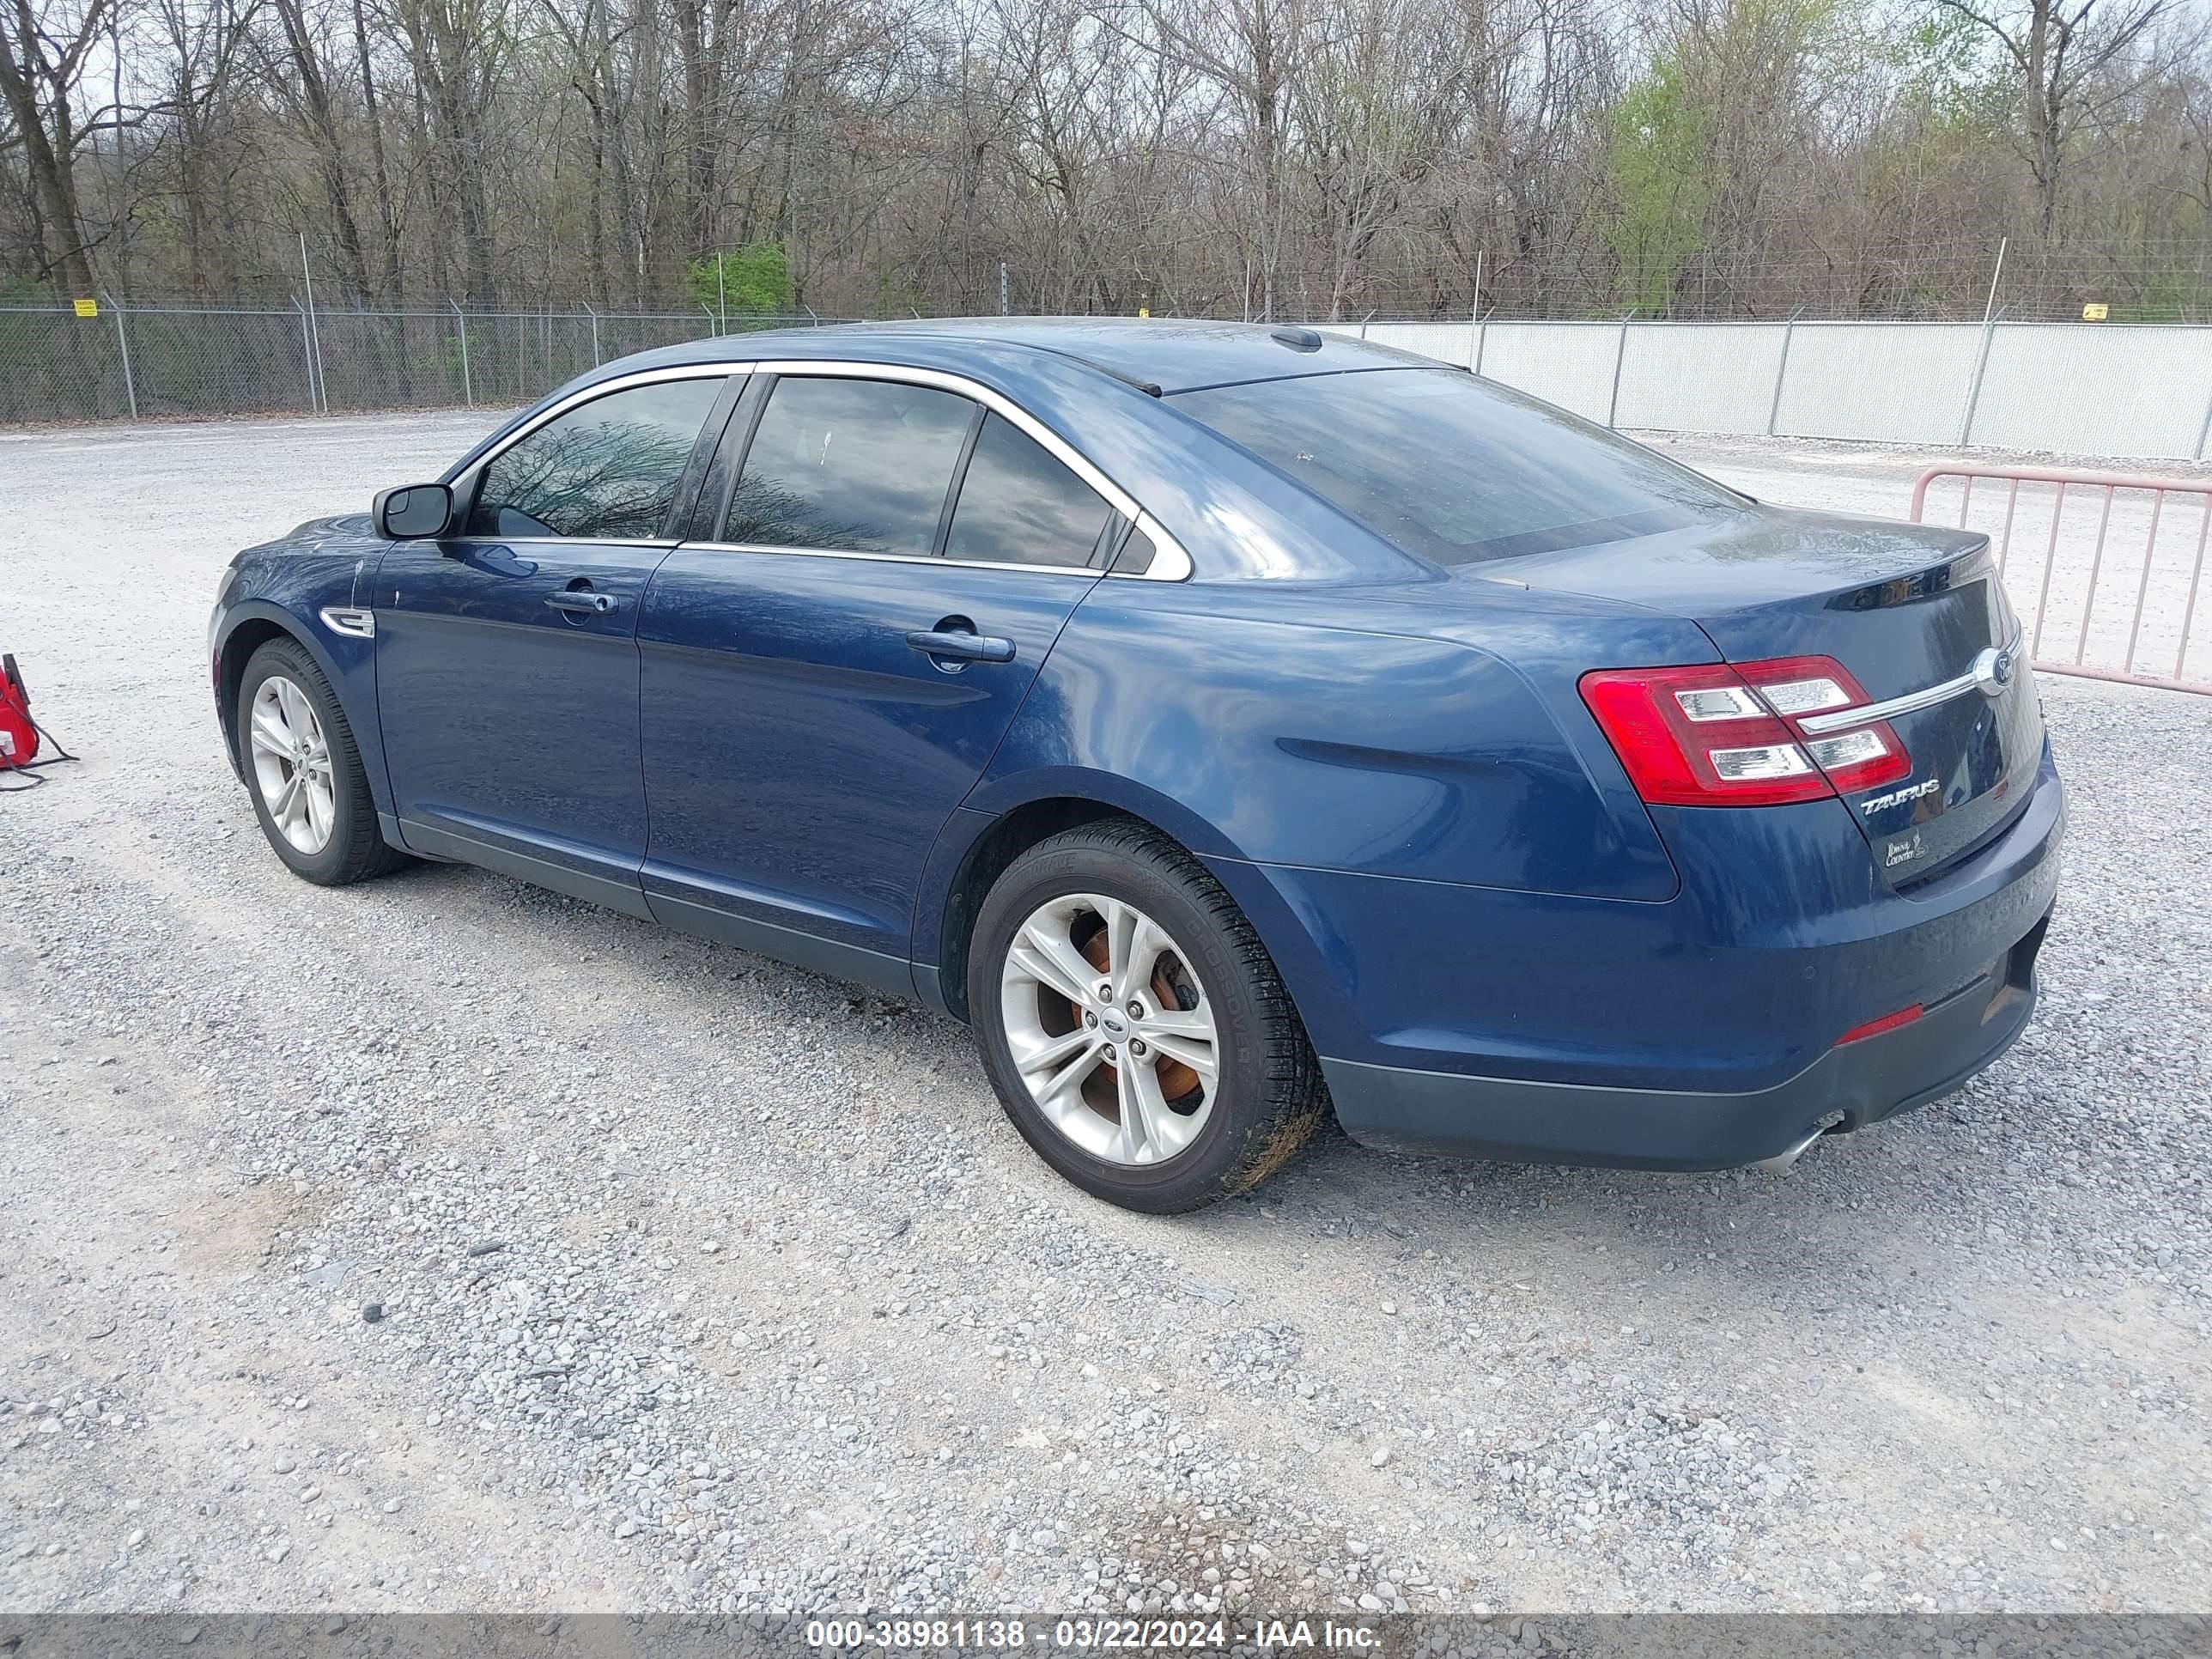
(155, 362)
(2134, 390)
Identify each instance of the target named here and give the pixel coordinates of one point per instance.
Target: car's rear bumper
(1704, 1032)
(1852, 1086)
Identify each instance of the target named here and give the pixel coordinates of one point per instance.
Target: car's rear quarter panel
(1344, 781)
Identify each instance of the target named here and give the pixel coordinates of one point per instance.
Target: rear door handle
(950, 645)
(589, 604)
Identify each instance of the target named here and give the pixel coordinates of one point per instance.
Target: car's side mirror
(414, 513)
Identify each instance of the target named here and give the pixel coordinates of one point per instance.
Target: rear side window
(1455, 469)
(849, 466)
(607, 470)
(1020, 505)
(1137, 554)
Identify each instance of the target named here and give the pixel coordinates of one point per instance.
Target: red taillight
(1724, 734)
(1876, 1027)
(1855, 758)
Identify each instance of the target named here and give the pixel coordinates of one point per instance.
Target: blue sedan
(1229, 723)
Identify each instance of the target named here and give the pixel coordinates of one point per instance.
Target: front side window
(607, 470)
(1020, 505)
(1455, 469)
(849, 466)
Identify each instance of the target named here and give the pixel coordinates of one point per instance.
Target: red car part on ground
(19, 736)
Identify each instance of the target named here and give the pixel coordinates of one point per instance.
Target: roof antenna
(1298, 339)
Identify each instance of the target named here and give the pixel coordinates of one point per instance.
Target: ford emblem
(1993, 672)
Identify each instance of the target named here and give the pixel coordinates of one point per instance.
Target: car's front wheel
(1133, 1025)
(309, 789)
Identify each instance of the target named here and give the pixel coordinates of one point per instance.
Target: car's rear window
(1457, 469)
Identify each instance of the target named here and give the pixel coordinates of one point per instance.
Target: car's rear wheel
(1133, 1025)
(304, 771)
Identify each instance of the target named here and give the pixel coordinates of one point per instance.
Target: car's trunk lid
(1907, 609)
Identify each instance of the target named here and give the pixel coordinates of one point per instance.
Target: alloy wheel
(291, 764)
(1110, 1031)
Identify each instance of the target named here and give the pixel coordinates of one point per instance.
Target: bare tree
(44, 48)
(1259, 158)
(457, 51)
(1253, 52)
(2074, 60)
(302, 76)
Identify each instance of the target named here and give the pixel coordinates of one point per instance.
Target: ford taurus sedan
(1230, 725)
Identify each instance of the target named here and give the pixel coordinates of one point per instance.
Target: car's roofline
(1159, 357)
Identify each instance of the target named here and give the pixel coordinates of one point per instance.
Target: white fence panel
(1569, 364)
(1891, 382)
(2094, 389)
(2119, 390)
(1699, 377)
(1449, 342)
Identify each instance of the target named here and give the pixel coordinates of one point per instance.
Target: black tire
(356, 850)
(1270, 1094)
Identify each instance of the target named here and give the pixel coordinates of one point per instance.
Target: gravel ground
(441, 1243)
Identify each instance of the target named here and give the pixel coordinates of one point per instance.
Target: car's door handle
(956, 645)
(589, 604)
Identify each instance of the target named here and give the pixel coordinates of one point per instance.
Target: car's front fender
(286, 592)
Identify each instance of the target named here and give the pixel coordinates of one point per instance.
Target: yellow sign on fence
(88, 307)
(2095, 311)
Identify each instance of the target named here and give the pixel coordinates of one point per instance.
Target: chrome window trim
(1975, 678)
(1171, 563)
(599, 389)
(565, 541)
(1083, 570)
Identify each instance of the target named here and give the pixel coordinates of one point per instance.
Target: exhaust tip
(1789, 1155)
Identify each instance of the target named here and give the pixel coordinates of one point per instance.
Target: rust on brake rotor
(1177, 1079)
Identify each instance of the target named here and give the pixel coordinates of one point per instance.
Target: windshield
(1457, 469)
